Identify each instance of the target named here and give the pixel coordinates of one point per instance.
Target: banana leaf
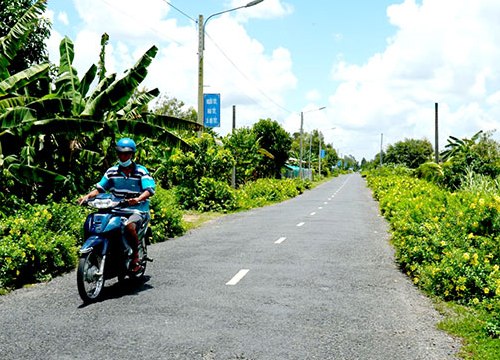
(67, 82)
(115, 97)
(90, 157)
(12, 102)
(87, 80)
(28, 174)
(133, 108)
(171, 122)
(68, 126)
(101, 86)
(50, 105)
(17, 81)
(266, 153)
(14, 118)
(152, 131)
(11, 43)
(102, 56)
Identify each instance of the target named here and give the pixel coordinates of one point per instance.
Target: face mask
(125, 163)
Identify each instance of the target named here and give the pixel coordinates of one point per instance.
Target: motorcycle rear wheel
(89, 281)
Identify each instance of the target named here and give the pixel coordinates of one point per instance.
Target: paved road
(310, 278)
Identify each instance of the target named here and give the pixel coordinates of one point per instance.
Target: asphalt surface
(310, 278)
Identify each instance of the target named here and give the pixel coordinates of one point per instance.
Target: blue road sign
(211, 106)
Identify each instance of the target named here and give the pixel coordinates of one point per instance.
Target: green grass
(473, 327)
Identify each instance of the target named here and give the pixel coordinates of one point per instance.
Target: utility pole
(436, 142)
(201, 47)
(319, 154)
(301, 136)
(381, 147)
(233, 175)
(310, 150)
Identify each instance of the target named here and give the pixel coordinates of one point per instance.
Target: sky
(378, 67)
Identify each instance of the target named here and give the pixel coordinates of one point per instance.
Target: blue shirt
(116, 182)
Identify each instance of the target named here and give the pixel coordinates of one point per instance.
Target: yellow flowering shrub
(446, 242)
(38, 242)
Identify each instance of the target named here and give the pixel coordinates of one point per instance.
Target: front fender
(96, 242)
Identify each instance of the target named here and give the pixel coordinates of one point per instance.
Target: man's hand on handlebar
(133, 201)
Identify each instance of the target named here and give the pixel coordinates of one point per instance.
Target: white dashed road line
(280, 240)
(236, 278)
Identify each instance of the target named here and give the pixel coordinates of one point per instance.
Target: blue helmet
(126, 145)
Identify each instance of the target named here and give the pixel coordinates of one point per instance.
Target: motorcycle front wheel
(89, 280)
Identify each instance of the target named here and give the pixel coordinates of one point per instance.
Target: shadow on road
(119, 289)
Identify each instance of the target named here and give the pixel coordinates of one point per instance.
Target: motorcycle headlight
(103, 203)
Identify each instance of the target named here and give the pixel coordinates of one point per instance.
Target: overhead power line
(183, 13)
(248, 78)
(179, 10)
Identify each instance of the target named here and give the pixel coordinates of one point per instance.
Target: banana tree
(462, 147)
(56, 133)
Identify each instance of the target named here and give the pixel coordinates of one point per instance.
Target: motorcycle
(106, 253)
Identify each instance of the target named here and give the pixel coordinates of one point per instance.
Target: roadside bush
(207, 195)
(265, 191)
(446, 242)
(39, 242)
(215, 195)
(166, 216)
(430, 171)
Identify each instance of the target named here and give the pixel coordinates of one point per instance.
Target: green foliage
(244, 146)
(23, 33)
(173, 107)
(215, 195)
(275, 140)
(410, 152)
(204, 159)
(194, 173)
(474, 182)
(38, 242)
(266, 191)
(166, 216)
(446, 242)
(430, 171)
(477, 327)
(479, 154)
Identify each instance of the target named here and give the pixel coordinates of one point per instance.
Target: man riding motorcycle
(132, 182)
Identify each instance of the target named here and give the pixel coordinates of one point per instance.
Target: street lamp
(201, 48)
(301, 175)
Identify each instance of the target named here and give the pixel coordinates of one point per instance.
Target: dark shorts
(138, 219)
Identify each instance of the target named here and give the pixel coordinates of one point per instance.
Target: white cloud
(268, 9)
(63, 17)
(441, 51)
(444, 51)
(237, 66)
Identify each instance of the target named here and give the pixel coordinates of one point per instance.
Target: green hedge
(446, 242)
(266, 191)
(39, 242)
(166, 216)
